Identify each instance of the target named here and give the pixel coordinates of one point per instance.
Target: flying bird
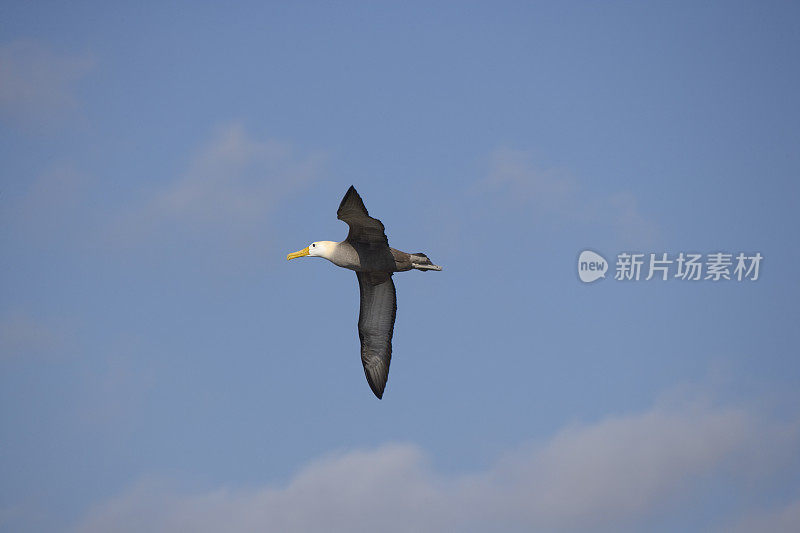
(366, 250)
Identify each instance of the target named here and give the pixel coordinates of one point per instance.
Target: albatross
(366, 251)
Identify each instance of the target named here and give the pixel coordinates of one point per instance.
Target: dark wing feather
(376, 326)
(363, 228)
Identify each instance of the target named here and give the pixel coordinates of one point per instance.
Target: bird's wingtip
(375, 384)
(377, 390)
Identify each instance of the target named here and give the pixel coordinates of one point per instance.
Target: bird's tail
(420, 261)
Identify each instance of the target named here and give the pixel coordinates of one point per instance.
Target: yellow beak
(301, 253)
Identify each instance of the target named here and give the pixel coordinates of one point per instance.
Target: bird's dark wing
(363, 228)
(376, 325)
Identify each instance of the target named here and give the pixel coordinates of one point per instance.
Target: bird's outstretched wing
(376, 325)
(363, 228)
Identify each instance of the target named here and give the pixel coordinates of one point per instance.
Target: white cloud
(623, 467)
(609, 475)
(229, 190)
(37, 84)
(548, 189)
(557, 194)
(236, 177)
(357, 491)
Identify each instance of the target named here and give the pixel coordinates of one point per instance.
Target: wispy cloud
(37, 84)
(551, 190)
(609, 475)
(236, 178)
(227, 194)
(557, 194)
(54, 204)
(784, 519)
(22, 335)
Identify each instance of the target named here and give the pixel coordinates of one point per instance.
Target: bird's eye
(313, 245)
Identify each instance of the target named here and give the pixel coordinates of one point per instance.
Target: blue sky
(163, 368)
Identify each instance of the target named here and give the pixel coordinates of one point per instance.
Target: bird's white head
(315, 249)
